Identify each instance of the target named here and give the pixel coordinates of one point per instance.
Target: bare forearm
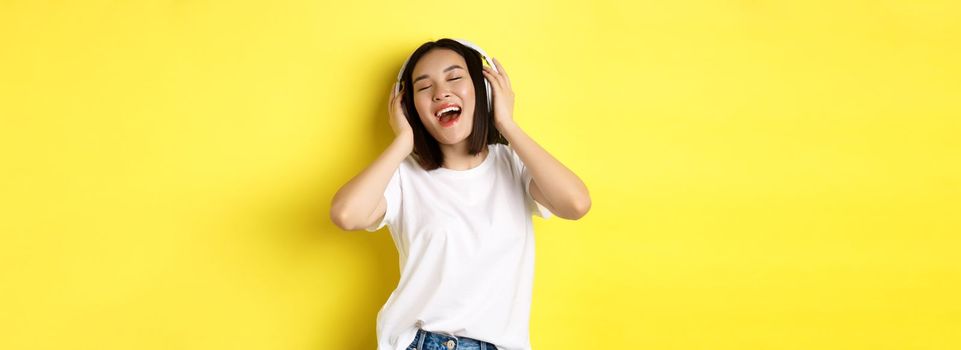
(563, 189)
(358, 198)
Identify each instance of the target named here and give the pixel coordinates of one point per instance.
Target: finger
(493, 76)
(489, 73)
(397, 96)
(495, 84)
(500, 69)
(487, 69)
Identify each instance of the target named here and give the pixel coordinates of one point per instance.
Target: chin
(445, 141)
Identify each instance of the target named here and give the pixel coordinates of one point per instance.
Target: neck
(456, 156)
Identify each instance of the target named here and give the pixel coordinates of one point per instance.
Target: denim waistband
(426, 340)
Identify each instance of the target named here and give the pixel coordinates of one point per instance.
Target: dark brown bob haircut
(426, 148)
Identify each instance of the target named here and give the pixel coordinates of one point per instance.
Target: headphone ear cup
(487, 84)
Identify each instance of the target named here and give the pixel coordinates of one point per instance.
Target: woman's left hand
(503, 94)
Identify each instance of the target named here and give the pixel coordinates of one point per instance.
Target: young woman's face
(444, 95)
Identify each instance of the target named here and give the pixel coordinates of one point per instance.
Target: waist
(427, 340)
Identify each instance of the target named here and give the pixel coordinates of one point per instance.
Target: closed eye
(428, 86)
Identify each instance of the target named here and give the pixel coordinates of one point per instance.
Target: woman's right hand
(398, 119)
(363, 196)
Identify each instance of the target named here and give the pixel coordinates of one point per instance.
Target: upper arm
(387, 207)
(539, 196)
(377, 216)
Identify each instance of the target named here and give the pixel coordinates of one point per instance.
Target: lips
(447, 108)
(447, 114)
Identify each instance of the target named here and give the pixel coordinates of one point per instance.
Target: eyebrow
(452, 67)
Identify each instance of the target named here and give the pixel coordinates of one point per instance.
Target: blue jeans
(436, 341)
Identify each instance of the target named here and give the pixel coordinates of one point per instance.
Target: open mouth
(448, 115)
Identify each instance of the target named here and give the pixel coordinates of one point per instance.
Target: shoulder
(501, 150)
(410, 167)
(506, 152)
(502, 153)
(506, 158)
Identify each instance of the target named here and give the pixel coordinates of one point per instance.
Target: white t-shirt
(466, 245)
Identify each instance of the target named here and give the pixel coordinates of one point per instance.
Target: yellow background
(764, 174)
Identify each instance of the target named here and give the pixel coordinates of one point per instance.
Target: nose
(441, 94)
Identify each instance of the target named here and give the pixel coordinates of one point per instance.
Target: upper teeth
(448, 109)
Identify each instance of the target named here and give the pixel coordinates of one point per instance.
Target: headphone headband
(484, 56)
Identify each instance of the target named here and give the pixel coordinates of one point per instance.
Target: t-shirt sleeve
(525, 176)
(392, 196)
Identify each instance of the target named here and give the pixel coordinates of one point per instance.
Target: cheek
(466, 89)
(422, 105)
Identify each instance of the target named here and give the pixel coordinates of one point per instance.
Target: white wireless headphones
(470, 45)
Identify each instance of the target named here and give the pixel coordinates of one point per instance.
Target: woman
(457, 187)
